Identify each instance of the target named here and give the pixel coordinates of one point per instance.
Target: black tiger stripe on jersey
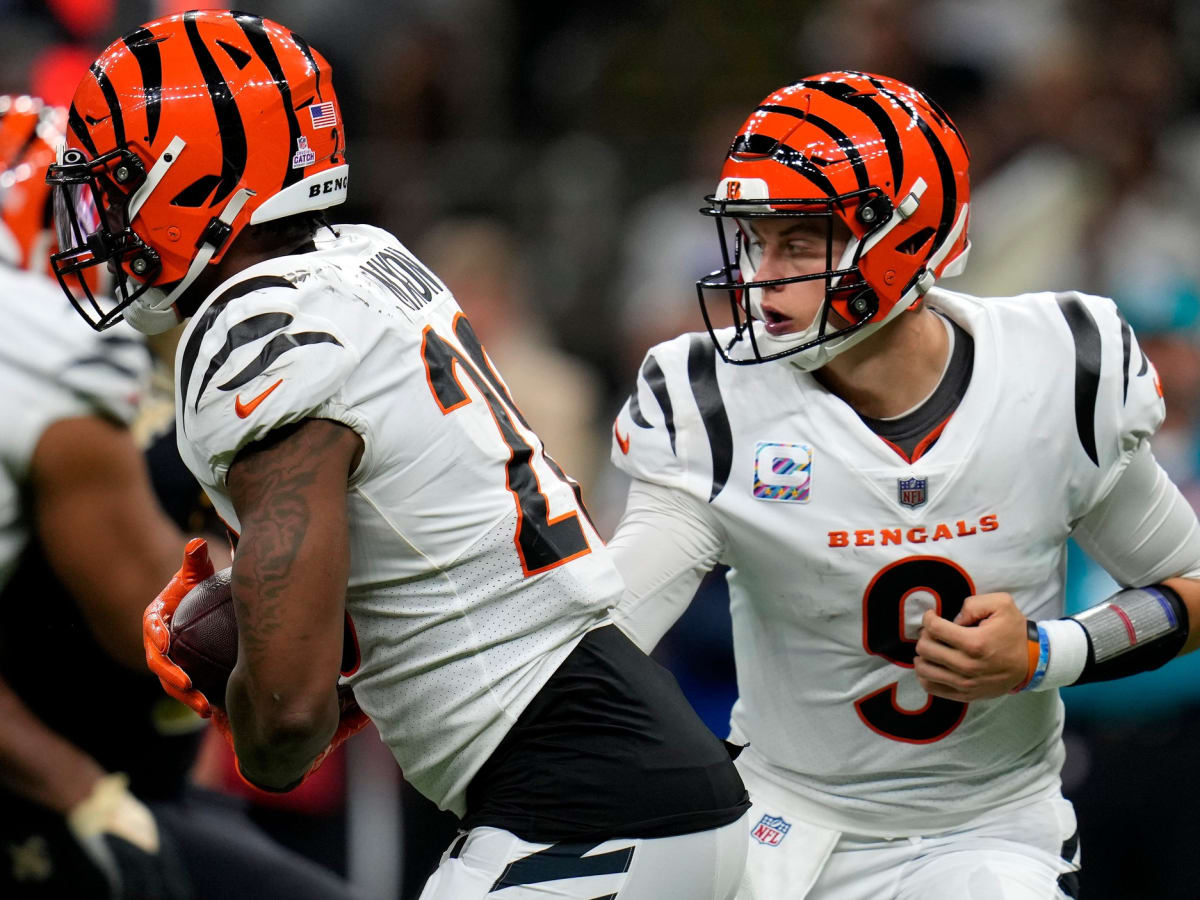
(657, 382)
(769, 148)
(204, 323)
(702, 374)
(230, 127)
(278, 345)
(241, 334)
(1126, 342)
(114, 104)
(849, 95)
(847, 145)
(565, 860)
(144, 47)
(1086, 335)
(256, 33)
(1068, 882)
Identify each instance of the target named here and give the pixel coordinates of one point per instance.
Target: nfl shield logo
(770, 830)
(911, 491)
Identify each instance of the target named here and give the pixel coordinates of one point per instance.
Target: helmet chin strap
(153, 312)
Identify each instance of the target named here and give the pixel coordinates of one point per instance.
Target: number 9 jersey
(474, 569)
(837, 543)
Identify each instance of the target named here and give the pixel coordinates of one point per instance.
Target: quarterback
(891, 471)
(379, 481)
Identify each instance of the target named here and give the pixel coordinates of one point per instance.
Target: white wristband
(1067, 643)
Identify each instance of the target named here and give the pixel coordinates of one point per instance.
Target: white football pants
(1006, 854)
(487, 863)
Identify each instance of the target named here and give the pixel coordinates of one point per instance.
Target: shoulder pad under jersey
(254, 358)
(1118, 399)
(673, 429)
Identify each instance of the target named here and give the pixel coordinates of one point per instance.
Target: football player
(339, 411)
(870, 453)
(94, 800)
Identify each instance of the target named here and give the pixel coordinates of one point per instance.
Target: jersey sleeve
(255, 363)
(660, 434)
(81, 374)
(1118, 400)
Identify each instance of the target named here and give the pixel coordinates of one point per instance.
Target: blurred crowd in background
(548, 159)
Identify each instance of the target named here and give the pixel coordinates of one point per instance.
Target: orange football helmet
(30, 133)
(875, 153)
(185, 131)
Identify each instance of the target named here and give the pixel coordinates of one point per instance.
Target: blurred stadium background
(547, 159)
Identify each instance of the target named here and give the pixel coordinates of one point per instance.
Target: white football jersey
(53, 367)
(473, 569)
(837, 544)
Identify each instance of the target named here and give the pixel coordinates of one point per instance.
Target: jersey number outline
(883, 635)
(543, 543)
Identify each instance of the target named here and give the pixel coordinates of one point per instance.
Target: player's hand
(120, 836)
(980, 655)
(156, 622)
(350, 721)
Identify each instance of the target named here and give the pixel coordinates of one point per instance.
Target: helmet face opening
(91, 223)
(875, 154)
(846, 293)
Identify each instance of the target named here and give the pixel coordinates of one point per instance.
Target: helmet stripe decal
(252, 27)
(241, 334)
(144, 47)
(312, 61)
(945, 169)
(308, 54)
(945, 121)
(702, 373)
(847, 145)
(279, 345)
(880, 119)
(75, 121)
(201, 326)
(769, 148)
(114, 104)
(229, 120)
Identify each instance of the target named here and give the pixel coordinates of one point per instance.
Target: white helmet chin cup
(142, 315)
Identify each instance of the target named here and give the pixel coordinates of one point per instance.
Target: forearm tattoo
(271, 488)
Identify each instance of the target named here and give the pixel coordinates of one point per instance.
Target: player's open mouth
(776, 322)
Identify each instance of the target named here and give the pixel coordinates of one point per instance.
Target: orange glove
(156, 621)
(352, 721)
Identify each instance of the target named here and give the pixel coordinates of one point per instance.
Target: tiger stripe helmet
(183, 132)
(30, 132)
(876, 154)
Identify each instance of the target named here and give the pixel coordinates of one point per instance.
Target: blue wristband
(1043, 660)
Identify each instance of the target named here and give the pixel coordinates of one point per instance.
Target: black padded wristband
(1135, 630)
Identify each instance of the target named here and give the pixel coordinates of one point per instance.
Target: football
(204, 636)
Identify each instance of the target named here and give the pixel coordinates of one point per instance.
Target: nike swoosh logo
(244, 409)
(622, 442)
